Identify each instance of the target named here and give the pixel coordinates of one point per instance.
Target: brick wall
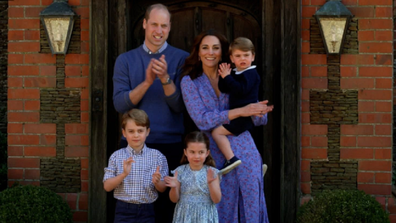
(347, 105)
(48, 110)
(3, 65)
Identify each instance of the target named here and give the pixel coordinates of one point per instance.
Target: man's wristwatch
(168, 81)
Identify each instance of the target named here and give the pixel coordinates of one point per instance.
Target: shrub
(33, 204)
(3, 161)
(348, 206)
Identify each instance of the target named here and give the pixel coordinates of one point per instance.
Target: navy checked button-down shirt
(137, 187)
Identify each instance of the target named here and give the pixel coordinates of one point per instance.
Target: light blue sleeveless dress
(195, 204)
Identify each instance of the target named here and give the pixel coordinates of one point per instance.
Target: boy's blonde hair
(140, 117)
(243, 44)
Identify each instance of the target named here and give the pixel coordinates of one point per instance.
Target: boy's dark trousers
(134, 213)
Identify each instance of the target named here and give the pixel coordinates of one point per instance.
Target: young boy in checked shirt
(136, 172)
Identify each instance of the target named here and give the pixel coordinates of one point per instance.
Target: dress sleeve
(260, 120)
(205, 118)
(163, 163)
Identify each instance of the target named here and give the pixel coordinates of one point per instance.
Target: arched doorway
(117, 28)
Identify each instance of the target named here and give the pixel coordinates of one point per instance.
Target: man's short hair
(155, 6)
(243, 44)
(139, 116)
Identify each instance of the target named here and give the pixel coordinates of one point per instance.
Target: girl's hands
(127, 165)
(210, 176)
(172, 181)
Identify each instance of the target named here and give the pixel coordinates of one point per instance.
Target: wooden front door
(117, 27)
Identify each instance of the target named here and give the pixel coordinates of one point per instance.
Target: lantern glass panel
(57, 29)
(333, 31)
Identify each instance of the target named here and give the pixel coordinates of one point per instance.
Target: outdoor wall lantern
(333, 19)
(58, 21)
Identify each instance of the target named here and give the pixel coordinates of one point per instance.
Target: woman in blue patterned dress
(195, 185)
(243, 189)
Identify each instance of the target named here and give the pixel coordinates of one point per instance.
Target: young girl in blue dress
(195, 186)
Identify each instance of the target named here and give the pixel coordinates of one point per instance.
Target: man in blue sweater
(148, 78)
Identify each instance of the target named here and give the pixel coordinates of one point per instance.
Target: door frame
(281, 25)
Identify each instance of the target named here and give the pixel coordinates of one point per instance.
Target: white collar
(239, 72)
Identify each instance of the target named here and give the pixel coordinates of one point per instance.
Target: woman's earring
(199, 58)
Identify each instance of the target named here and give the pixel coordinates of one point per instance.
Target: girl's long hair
(192, 65)
(200, 137)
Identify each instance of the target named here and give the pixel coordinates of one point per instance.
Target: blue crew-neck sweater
(165, 112)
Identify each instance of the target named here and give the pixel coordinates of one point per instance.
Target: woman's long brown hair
(200, 137)
(192, 65)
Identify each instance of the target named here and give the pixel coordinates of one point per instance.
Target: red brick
(14, 128)
(356, 83)
(48, 140)
(375, 2)
(305, 71)
(392, 218)
(15, 82)
(384, 35)
(15, 151)
(85, 117)
(23, 139)
(383, 106)
(357, 130)
(84, 24)
(15, 12)
(320, 71)
(375, 24)
(375, 95)
(84, 105)
(84, 175)
(84, 186)
(383, 129)
(308, 11)
(375, 189)
(366, 106)
(375, 118)
(32, 35)
(74, 2)
(47, 70)
(305, 165)
(314, 59)
(348, 71)
(305, 23)
(305, 47)
(84, 35)
(85, 70)
(80, 216)
(383, 59)
(365, 177)
(348, 141)
(76, 151)
(76, 128)
(40, 128)
(80, 82)
(318, 2)
(14, 105)
(42, 82)
(82, 11)
(73, 140)
(23, 116)
(305, 2)
(46, 2)
(85, 94)
(23, 93)
(314, 129)
(23, 47)
(375, 71)
(349, 2)
(71, 200)
(373, 47)
(383, 178)
(77, 59)
(366, 35)
(392, 205)
(33, 174)
(24, 24)
(40, 58)
(305, 118)
(85, 2)
(362, 11)
(83, 201)
(306, 188)
(305, 35)
(33, 105)
(24, 162)
(15, 173)
(73, 70)
(305, 141)
(383, 12)
(15, 58)
(41, 151)
(84, 163)
(305, 106)
(314, 153)
(24, 2)
(23, 70)
(356, 153)
(383, 153)
(15, 35)
(318, 141)
(33, 11)
(314, 83)
(357, 59)
(84, 47)
(305, 176)
(375, 165)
